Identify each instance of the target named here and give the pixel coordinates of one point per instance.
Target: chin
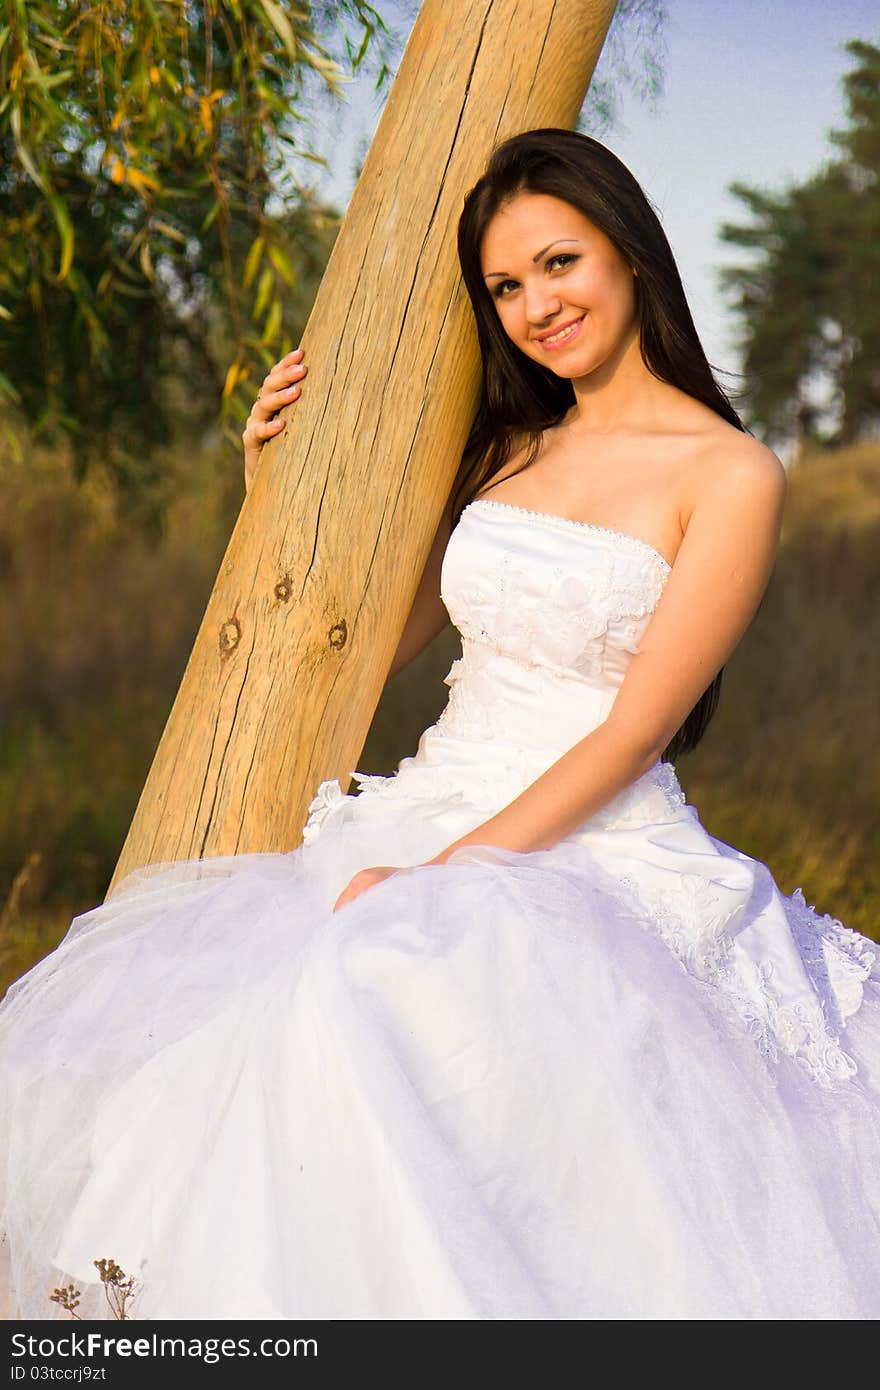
(570, 371)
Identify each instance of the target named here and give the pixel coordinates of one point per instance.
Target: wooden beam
(318, 579)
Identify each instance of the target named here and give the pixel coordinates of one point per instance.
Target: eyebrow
(492, 274)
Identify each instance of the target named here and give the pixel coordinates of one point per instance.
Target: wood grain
(319, 575)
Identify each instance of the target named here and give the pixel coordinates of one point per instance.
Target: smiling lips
(561, 336)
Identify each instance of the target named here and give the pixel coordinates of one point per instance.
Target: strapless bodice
(555, 596)
(550, 613)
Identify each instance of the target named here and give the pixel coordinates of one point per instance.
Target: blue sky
(751, 90)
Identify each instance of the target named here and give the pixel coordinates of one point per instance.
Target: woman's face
(547, 267)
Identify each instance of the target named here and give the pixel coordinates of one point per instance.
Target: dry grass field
(100, 616)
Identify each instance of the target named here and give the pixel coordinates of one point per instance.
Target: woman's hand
(279, 388)
(364, 879)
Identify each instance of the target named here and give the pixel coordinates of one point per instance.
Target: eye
(563, 257)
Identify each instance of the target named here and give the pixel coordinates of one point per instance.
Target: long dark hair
(519, 395)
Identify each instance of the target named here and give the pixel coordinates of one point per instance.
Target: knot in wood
(230, 636)
(338, 634)
(284, 588)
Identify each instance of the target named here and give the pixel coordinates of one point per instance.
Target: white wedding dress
(625, 1077)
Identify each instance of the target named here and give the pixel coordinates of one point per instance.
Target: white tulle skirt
(621, 1078)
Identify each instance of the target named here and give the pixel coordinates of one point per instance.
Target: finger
(271, 401)
(257, 423)
(283, 374)
(260, 430)
(288, 360)
(266, 428)
(280, 379)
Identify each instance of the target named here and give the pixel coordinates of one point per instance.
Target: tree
(147, 159)
(811, 332)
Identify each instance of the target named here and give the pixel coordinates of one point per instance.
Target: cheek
(607, 294)
(598, 285)
(510, 317)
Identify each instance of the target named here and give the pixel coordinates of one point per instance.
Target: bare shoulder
(732, 468)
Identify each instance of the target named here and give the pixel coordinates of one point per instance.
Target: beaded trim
(566, 521)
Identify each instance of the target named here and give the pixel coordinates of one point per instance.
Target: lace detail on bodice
(565, 596)
(550, 613)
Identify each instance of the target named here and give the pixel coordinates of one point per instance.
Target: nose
(542, 304)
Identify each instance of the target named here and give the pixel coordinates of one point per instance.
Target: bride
(510, 1034)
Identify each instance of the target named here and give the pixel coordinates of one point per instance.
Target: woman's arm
(720, 574)
(428, 615)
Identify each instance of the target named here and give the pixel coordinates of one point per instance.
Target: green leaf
(264, 289)
(65, 231)
(47, 80)
(251, 265)
(146, 261)
(273, 322)
(282, 264)
(162, 226)
(211, 216)
(282, 26)
(126, 268)
(28, 164)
